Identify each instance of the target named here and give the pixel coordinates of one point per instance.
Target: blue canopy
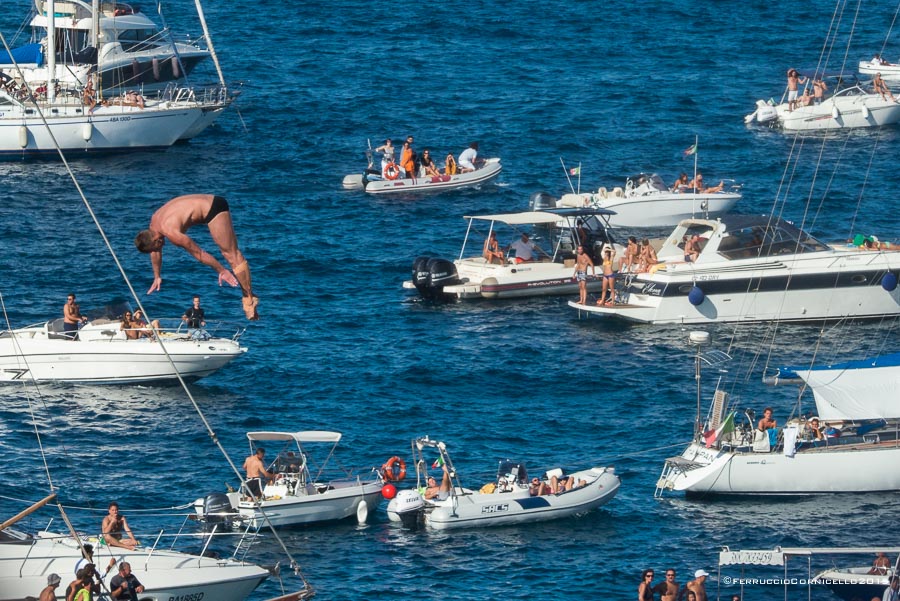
(890, 360)
(29, 53)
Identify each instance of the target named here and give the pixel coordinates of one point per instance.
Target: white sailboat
(851, 443)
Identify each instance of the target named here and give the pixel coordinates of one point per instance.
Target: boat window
(767, 241)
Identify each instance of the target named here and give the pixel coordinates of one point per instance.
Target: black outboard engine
(420, 275)
(541, 200)
(441, 272)
(217, 509)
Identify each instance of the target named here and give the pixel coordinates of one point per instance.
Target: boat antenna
(698, 339)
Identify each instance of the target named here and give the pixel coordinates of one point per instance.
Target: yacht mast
(51, 49)
(209, 42)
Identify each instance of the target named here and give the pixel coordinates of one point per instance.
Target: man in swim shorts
(178, 215)
(582, 262)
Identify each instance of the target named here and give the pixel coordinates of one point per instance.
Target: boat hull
(666, 210)
(333, 505)
(850, 469)
(165, 574)
(110, 360)
(475, 509)
(840, 112)
(855, 583)
(489, 171)
(108, 129)
(814, 287)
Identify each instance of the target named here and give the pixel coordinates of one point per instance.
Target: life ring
(394, 469)
(392, 171)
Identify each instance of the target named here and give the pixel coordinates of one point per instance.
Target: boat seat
(602, 192)
(618, 192)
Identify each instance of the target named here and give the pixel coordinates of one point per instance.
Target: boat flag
(691, 150)
(437, 463)
(711, 436)
(575, 170)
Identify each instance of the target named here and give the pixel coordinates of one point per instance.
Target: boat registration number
(495, 508)
(194, 597)
(127, 119)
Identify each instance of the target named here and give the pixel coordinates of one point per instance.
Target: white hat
(53, 579)
(700, 573)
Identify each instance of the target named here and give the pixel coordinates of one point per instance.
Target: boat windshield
(768, 240)
(512, 471)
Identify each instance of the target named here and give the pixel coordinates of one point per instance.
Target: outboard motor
(541, 200)
(217, 509)
(408, 507)
(441, 272)
(420, 274)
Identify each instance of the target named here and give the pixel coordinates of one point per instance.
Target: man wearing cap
(697, 585)
(49, 592)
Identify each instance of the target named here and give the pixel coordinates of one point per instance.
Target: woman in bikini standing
(609, 279)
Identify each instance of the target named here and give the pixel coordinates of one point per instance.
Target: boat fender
(155, 63)
(835, 113)
(394, 469)
(176, 68)
(696, 296)
(391, 171)
(362, 512)
(23, 136)
(865, 112)
(889, 282)
(87, 131)
(136, 69)
(388, 491)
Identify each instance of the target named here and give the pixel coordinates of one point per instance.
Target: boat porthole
(686, 288)
(859, 279)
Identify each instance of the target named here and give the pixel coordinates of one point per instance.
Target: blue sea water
(616, 86)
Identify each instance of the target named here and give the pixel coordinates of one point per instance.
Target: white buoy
(865, 112)
(23, 136)
(699, 337)
(87, 130)
(835, 112)
(362, 512)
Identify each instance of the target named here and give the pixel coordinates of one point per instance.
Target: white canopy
(854, 391)
(305, 436)
(526, 218)
(776, 556)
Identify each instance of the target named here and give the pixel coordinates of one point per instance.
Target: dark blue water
(617, 86)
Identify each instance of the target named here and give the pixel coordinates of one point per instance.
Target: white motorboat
(374, 181)
(847, 105)
(646, 201)
(26, 561)
(551, 274)
(508, 500)
(757, 268)
(300, 493)
(856, 583)
(889, 71)
(130, 51)
(850, 445)
(104, 354)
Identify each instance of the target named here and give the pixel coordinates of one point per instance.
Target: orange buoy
(394, 469)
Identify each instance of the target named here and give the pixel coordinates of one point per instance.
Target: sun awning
(525, 218)
(305, 436)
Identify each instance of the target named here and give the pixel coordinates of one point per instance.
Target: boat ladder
(674, 467)
(246, 542)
